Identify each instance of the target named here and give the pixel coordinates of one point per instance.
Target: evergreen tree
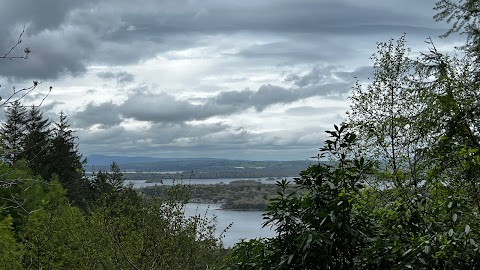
(109, 182)
(65, 160)
(37, 141)
(13, 132)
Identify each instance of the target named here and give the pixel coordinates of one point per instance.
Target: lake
(142, 183)
(245, 224)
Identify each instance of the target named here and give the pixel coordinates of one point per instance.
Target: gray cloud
(67, 36)
(187, 140)
(121, 76)
(165, 108)
(361, 73)
(104, 114)
(315, 76)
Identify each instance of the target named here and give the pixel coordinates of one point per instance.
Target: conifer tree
(37, 141)
(13, 132)
(65, 160)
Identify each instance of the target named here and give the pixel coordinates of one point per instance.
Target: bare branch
(26, 51)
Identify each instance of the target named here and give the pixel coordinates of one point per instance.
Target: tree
(10, 250)
(36, 143)
(13, 132)
(464, 16)
(65, 160)
(109, 183)
(383, 115)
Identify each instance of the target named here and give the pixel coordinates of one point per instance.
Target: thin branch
(26, 50)
(23, 92)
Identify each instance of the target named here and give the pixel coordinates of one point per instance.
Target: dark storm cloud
(67, 36)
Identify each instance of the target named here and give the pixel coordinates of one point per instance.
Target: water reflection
(246, 224)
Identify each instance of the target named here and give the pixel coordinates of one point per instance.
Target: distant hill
(142, 167)
(102, 160)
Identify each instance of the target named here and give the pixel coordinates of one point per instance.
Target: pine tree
(13, 132)
(37, 141)
(65, 161)
(109, 182)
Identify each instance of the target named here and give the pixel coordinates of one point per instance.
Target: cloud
(314, 76)
(165, 108)
(105, 114)
(121, 77)
(195, 140)
(68, 36)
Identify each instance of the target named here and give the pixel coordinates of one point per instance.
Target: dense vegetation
(53, 217)
(400, 192)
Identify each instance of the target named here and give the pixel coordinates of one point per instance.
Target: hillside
(199, 168)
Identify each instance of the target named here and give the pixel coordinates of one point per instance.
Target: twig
(26, 50)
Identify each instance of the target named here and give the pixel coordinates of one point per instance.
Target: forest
(400, 190)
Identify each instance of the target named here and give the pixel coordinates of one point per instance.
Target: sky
(250, 79)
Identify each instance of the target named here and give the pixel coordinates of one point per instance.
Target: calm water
(245, 224)
(142, 183)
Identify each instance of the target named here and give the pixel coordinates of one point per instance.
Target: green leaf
(406, 252)
(467, 229)
(332, 185)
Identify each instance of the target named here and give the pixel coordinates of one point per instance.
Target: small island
(237, 195)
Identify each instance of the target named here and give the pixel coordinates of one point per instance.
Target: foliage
(464, 17)
(319, 225)
(12, 132)
(10, 250)
(36, 142)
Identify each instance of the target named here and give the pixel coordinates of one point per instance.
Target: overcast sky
(245, 79)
